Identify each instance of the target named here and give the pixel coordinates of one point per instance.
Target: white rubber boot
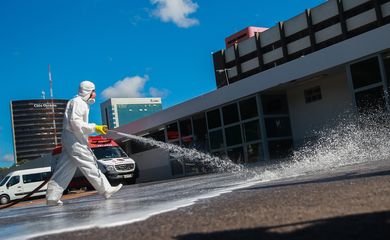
(54, 203)
(111, 191)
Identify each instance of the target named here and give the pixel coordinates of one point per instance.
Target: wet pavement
(136, 203)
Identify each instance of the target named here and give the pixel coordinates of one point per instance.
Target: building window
(158, 135)
(172, 131)
(233, 135)
(236, 154)
(365, 73)
(313, 94)
(248, 108)
(280, 149)
(230, 114)
(370, 100)
(252, 131)
(213, 119)
(254, 152)
(277, 127)
(274, 104)
(386, 63)
(216, 139)
(185, 127)
(200, 132)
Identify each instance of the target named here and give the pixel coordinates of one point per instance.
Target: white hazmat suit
(75, 151)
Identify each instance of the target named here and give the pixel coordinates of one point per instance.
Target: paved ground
(42, 200)
(352, 206)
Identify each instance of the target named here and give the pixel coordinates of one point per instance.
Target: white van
(19, 183)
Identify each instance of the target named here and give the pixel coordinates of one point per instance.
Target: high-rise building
(36, 129)
(119, 111)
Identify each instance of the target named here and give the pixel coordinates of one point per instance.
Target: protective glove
(102, 129)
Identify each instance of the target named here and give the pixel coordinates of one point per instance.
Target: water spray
(207, 161)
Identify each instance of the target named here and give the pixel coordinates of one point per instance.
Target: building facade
(283, 86)
(119, 111)
(37, 126)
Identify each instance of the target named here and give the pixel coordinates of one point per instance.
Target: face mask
(91, 101)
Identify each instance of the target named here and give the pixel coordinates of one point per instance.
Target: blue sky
(159, 48)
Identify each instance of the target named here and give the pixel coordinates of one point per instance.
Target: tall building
(275, 90)
(120, 111)
(35, 128)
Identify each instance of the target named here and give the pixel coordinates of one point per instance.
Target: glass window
(254, 152)
(386, 63)
(365, 72)
(172, 131)
(213, 119)
(313, 94)
(230, 114)
(248, 108)
(252, 131)
(4, 181)
(30, 178)
(216, 139)
(200, 132)
(13, 181)
(187, 142)
(107, 153)
(280, 148)
(137, 147)
(158, 135)
(274, 104)
(236, 154)
(233, 135)
(370, 100)
(185, 127)
(277, 127)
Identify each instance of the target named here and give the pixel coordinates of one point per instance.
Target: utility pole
(52, 106)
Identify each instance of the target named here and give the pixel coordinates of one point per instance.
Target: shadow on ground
(362, 226)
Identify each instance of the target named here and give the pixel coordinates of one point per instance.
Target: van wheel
(4, 199)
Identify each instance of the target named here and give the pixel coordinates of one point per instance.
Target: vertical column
(283, 41)
(259, 51)
(219, 64)
(238, 64)
(378, 11)
(342, 18)
(311, 30)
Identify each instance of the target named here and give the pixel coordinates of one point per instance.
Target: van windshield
(108, 152)
(4, 181)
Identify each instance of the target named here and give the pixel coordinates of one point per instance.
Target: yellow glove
(102, 129)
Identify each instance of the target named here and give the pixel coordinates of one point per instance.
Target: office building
(119, 111)
(36, 126)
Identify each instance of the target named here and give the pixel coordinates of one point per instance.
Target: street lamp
(224, 71)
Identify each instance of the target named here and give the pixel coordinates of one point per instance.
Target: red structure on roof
(242, 35)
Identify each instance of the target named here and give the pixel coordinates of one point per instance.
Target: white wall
(153, 165)
(336, 99)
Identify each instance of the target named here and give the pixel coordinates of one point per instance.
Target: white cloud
(132, 87)
(154, 92)
(176, 11)
(8, 158)
(126, 88)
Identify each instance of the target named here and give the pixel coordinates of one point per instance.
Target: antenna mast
(52, 106)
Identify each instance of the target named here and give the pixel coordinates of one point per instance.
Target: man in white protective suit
(75, 151)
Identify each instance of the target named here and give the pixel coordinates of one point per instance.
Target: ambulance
(111, 160)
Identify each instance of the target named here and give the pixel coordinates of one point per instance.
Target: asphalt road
(350, 202)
